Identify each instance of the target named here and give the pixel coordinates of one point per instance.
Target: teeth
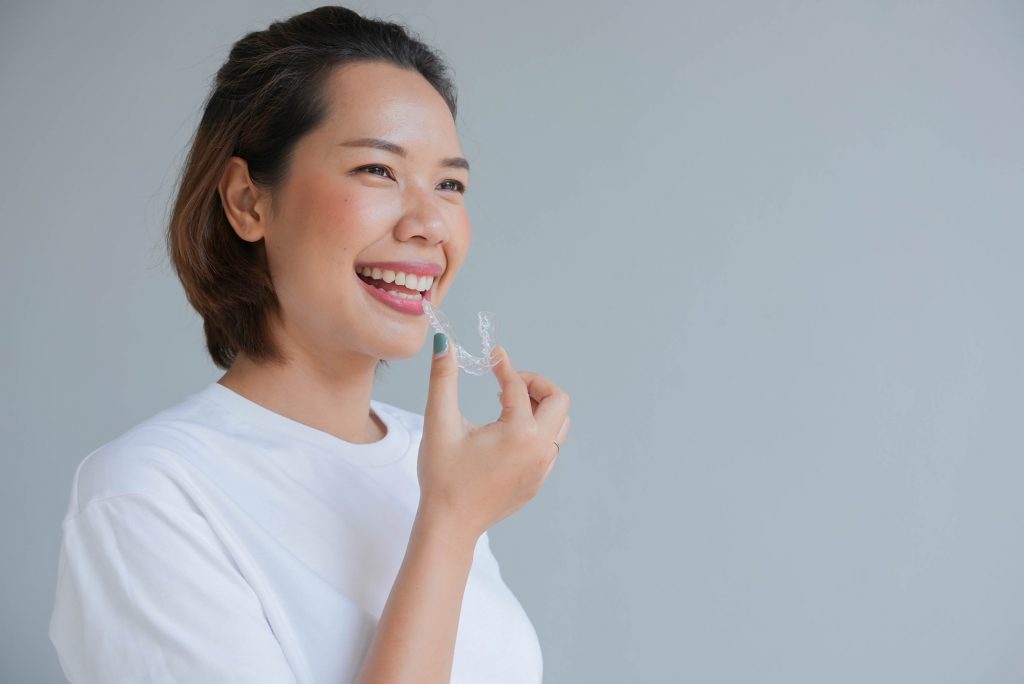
(410, 280)
(403, 295)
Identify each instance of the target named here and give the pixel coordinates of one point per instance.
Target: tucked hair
(266, 96)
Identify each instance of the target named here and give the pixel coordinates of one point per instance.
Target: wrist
(438, 525)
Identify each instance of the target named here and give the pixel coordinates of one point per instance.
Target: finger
(526, 375)
(442, 411)
(533, 403)
(560, 441)
(563, 432)
(515, 401)
(552, 403)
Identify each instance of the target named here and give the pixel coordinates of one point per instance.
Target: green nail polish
(440, 344)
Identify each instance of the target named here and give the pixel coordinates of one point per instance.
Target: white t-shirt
(219, 541)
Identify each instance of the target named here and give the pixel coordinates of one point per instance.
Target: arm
(415, 639)
(477, 476)
(146, 592)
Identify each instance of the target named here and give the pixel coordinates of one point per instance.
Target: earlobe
(239, 196)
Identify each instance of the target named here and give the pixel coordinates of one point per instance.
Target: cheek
(457, 250)
(462, 236)
(322, 228)
(350, 218)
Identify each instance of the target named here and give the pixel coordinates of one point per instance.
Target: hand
(474, 476)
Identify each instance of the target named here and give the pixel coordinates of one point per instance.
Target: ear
(242, 200)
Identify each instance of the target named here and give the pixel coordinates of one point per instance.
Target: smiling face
(346, 202)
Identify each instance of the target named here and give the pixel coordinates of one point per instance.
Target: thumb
(442, 408)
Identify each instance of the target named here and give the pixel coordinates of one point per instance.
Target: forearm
(415, 638)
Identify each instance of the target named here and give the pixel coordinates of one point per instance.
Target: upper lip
(428, 268)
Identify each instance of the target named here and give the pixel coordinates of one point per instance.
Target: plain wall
(772, 250)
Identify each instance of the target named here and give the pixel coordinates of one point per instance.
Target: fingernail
(440, 344)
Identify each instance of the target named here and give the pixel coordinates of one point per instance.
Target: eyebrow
(388, 146)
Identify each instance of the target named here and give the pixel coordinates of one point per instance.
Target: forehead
(383, 100)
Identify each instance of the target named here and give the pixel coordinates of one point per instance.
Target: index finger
(515, 401)
(552, 403)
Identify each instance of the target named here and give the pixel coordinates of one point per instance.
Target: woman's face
(347, 203)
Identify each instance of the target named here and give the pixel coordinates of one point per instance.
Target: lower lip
(409, 306)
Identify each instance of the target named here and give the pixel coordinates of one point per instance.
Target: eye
(459, 186)
(373, 168)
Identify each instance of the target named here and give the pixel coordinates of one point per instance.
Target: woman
(280, 525)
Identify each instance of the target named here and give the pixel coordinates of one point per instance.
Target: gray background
(772, 250)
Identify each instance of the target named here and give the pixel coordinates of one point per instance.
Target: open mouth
(407, 286)
(395, 289)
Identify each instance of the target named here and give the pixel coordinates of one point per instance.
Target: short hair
(265, 97)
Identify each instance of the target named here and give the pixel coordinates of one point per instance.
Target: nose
(423, 218)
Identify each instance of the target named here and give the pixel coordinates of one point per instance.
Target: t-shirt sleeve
(146, 592)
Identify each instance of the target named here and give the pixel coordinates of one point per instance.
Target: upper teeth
(410, 280)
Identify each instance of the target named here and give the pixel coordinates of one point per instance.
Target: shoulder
(145, 460)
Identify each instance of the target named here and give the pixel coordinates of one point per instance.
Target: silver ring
(557, 446)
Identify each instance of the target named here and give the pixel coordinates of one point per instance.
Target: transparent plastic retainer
(471, 364)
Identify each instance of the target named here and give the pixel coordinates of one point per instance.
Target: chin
(405, 350)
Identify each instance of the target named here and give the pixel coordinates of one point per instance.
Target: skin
(326, 217)
(330, 214)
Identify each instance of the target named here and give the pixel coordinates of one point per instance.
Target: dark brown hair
(266, 96)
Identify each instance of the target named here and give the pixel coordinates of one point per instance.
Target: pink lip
(410, 306)
(428, 268)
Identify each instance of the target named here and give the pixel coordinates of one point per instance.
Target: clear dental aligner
(467, 362)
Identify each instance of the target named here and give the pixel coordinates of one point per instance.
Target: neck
(334, 399)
